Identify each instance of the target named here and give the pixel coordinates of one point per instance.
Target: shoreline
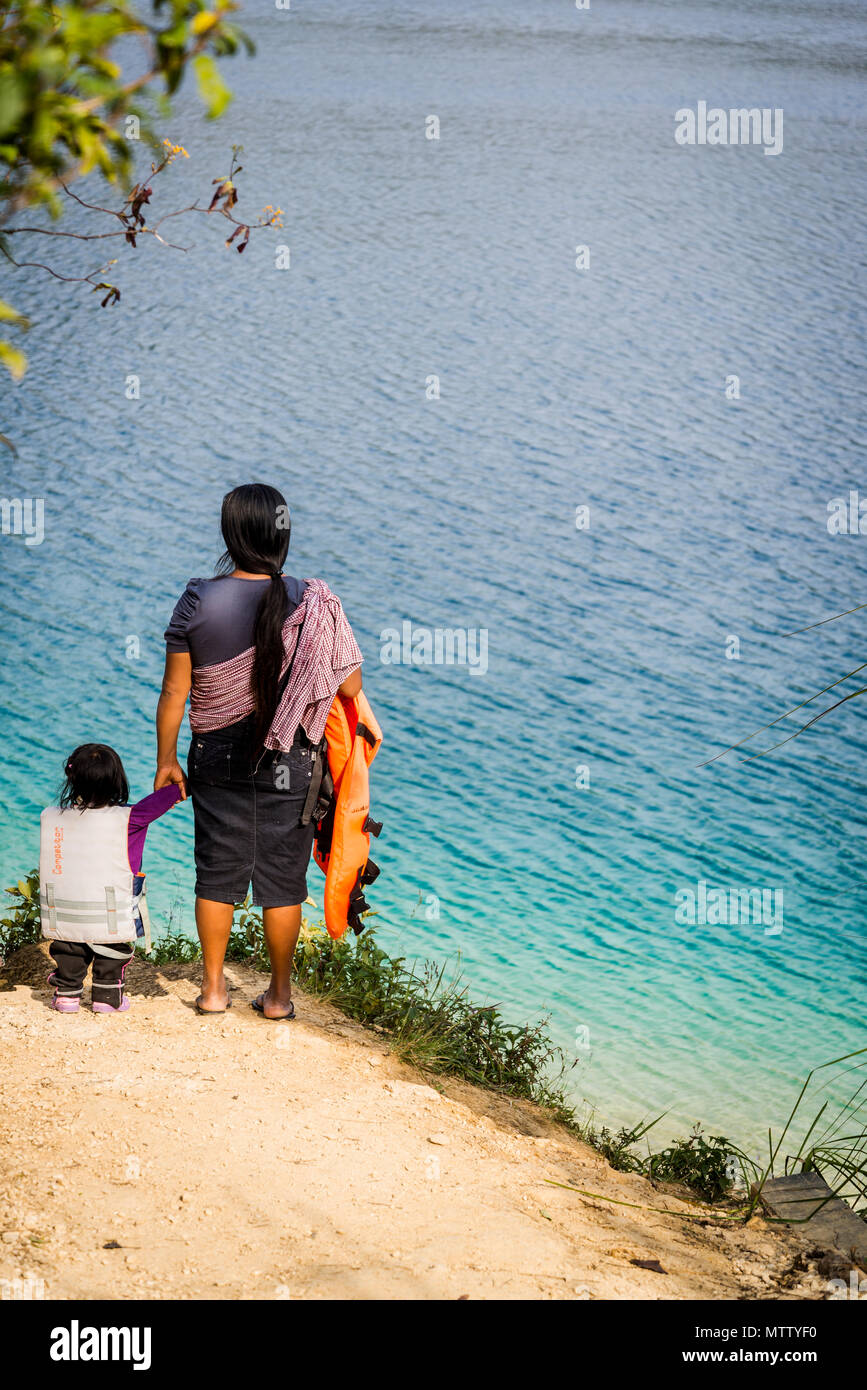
(233, 1158)
(429, 1022)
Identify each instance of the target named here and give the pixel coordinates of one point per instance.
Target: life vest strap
(140, 914)
(370, 873)
(99, 948)
(47, 900)
(79, 912)
(321, 788)
(357, 905)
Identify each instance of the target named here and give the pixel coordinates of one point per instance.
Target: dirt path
(162, 1155)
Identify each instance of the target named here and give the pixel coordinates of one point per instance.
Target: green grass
(21, 925)
(429, 1018)
(431, 1022)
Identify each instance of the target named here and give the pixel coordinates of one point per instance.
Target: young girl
(91, 889)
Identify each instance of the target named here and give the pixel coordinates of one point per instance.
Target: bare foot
(214, 999)
(274, 1008)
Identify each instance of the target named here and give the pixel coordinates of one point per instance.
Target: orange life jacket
(342, 836)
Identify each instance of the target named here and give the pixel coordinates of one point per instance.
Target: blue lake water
(559, 388)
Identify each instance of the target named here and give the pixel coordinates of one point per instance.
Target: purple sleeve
(150, 808)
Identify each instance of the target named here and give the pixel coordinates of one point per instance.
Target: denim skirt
(247, 811)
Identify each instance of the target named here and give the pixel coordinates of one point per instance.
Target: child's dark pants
(109, 963)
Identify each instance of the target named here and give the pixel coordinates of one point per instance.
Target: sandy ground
(161, 1155)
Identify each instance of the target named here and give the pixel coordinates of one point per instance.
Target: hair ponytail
(268, 637)
(255, 526)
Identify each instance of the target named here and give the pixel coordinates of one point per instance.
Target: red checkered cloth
(221, 694)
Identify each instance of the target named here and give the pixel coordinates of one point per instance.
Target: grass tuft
(432, 1023)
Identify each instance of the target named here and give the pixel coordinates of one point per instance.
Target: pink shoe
(65, 1003)
(110, 1009)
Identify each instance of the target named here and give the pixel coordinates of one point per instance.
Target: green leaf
(23, 888)
(204, 21)
(13, 359)
(212, 89)
(12, 101)
(10, 315)
(176, 37)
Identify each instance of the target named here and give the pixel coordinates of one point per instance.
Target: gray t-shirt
(214, 619)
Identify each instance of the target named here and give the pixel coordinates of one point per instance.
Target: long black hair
(94, 777)
(256, 528)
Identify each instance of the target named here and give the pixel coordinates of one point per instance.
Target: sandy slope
(234, 1158)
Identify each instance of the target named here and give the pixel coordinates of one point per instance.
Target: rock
(442, 1139)
(832, 1264)
(411, 1090)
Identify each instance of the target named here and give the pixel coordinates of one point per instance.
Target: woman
(262, 656)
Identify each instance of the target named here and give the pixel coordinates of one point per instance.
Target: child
(91, 890)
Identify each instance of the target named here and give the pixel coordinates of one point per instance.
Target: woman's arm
(170, 712)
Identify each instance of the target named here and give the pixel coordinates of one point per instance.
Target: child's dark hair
(94, 777)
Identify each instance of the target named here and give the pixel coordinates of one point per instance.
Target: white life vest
(86, 885)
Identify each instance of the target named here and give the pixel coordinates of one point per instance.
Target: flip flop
(254, 1004)
(205, 1012)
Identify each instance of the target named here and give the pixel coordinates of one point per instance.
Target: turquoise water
(559, 388)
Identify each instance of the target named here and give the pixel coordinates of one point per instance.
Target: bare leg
(282, 925)
(213, 923)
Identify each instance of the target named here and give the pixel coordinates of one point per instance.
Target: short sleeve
(184, 611)
(346, 654)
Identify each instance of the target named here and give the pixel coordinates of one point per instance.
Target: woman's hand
(171, 773)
